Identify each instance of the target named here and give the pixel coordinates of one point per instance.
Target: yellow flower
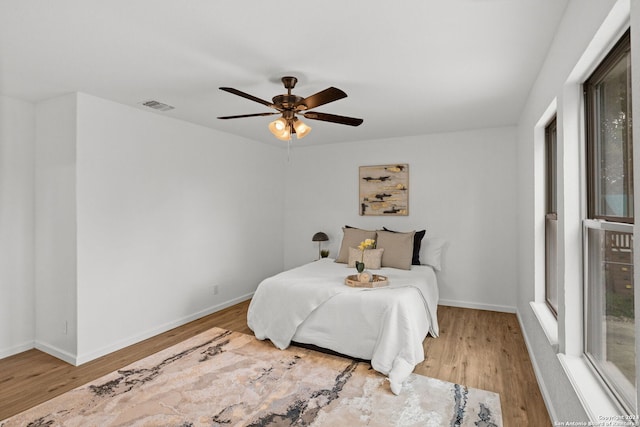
(367, 244)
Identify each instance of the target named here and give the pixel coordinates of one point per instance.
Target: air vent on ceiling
(156, 105)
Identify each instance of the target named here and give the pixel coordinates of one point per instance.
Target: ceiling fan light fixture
(301, 128)
(280, 129)
(285, 135)
(278, 125)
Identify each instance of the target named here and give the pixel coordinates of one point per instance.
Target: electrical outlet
(216, 289)
(65, 327)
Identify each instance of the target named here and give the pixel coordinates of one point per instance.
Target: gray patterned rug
(222, 378)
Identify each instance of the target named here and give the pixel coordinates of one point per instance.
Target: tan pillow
(351, 239)
(398, 249)
(372, 258)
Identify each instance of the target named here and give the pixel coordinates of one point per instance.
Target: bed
(311, 304)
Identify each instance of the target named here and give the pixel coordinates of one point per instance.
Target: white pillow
(431, 252)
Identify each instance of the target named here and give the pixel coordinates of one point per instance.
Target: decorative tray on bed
(377, 282)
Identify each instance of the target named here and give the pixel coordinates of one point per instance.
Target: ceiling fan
(290, 105)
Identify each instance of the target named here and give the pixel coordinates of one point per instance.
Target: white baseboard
(56, 352)
(87, 357)
(84, 358)
(477, 306)
(18, 348)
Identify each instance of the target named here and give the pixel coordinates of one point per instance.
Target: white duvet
(312, 305)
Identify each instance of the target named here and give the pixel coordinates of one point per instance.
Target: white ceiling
(409, 67)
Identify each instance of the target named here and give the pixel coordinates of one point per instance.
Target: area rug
(223, 378)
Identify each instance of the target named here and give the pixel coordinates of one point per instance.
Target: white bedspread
(311, 304)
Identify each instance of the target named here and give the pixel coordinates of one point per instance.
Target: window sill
(593, 394)
(548, 322)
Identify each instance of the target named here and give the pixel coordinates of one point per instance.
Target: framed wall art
(384, 190)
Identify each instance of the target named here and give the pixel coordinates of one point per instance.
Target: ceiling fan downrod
(289, 102)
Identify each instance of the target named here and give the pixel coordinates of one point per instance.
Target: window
(609, 143)
(609, 286)
(551, 218)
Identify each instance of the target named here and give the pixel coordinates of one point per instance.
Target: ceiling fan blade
(247, 115)
(323, 97)
(246, 95)
(343, 120)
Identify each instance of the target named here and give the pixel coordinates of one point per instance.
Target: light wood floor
(481, 349)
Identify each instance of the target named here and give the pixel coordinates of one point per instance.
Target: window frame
(621, 48)
(594, 221)
(551, 210)
(551, 147)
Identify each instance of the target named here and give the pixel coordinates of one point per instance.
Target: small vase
(360, 266)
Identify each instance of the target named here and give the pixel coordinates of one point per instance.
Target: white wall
(17, 142)
(141, 218)
(583, 19)
(462, 189)
(55, 230)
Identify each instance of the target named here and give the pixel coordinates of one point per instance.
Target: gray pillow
(398, 249)
(351, 238)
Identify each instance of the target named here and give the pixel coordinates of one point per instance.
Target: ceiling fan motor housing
(289, 102)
